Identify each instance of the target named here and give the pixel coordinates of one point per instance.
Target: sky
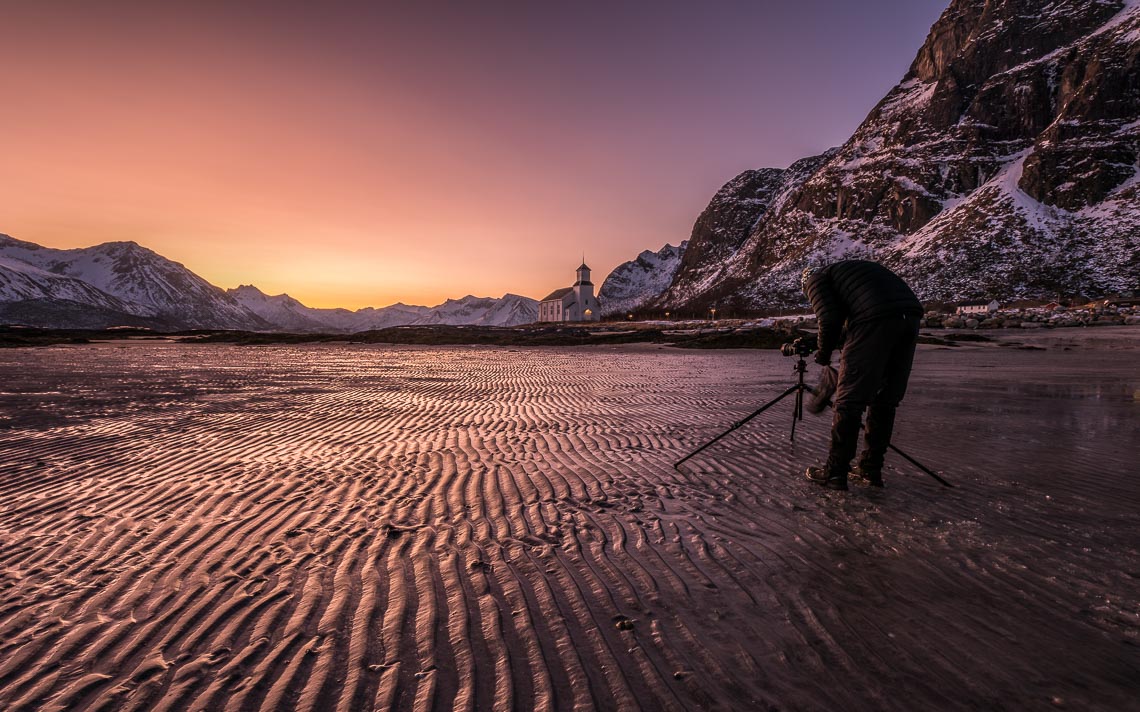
(358, 154)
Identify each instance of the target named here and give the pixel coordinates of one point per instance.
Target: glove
(822, 359)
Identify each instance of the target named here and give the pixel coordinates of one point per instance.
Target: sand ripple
(343, 528)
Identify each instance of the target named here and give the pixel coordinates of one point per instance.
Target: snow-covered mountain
(20, 281)
(509, 310)
(119, 277)
(369, 318)
(30, 295)
(1005, 163)
(122, 283)
(634, 283)
(288, 314)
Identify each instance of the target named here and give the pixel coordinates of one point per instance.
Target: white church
(576, 303)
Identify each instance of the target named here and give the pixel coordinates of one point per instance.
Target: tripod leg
(798, 410)
(919, 465)
(739, 423)
(909, 459)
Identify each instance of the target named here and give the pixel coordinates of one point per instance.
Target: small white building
(576, 303)
(978, 306)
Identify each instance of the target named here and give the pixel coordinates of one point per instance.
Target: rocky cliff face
(632, 285)
(726, 223)
(1004, 164)
(738, 209)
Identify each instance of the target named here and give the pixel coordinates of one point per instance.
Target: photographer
(875, 316)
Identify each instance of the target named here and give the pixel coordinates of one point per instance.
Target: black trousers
(873, 373)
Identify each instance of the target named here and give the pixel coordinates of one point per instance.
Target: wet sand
(334, 527)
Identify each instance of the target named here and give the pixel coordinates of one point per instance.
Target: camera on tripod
(802, 347)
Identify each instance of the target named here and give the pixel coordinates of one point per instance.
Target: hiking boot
(819, 476)
(866, 474)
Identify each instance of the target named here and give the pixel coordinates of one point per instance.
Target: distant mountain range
(125, 284)
(1004, 164)
(286, 313)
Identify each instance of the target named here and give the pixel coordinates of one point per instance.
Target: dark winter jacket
(855, 291)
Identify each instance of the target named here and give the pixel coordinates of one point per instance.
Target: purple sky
(361, 153)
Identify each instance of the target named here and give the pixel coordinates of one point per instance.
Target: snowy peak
(281, 311)
(37, 297)
(249, 294)
(638, 282)
(509, 310)
(143, 282)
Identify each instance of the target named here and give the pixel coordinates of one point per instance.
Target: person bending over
(874, 315)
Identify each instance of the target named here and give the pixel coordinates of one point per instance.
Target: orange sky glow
(361, 157)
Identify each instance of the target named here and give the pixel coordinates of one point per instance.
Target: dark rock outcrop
(67, 314)
(729, 218)
(732, 216)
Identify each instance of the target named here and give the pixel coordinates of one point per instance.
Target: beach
(366, 526)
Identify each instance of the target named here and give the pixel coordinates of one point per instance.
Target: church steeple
(583, 275)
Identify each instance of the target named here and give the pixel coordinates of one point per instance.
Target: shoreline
(700, 335)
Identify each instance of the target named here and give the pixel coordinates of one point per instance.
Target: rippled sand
(351, 528)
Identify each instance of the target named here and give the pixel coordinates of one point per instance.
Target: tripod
(800, 368)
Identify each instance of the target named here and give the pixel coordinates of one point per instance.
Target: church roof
(557, 294)
(584, 266)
